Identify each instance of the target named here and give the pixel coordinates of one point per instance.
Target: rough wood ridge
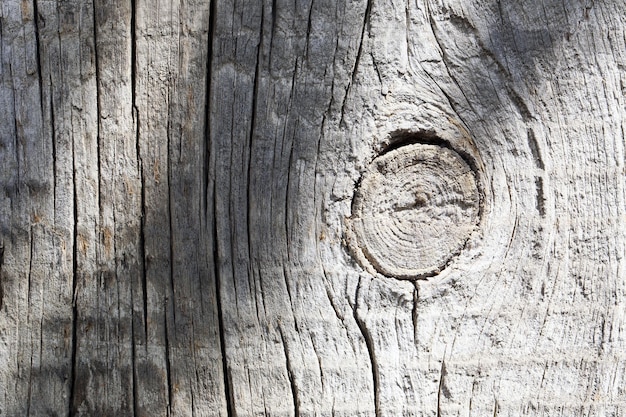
(176, 189)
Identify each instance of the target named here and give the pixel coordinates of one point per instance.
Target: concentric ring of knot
(414, 210)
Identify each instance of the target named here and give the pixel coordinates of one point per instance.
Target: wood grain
(177, 182)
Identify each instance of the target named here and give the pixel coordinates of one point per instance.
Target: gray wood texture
(176, 198)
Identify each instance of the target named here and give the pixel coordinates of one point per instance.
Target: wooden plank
(177, 213)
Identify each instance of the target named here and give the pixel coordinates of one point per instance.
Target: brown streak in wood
(107, 240)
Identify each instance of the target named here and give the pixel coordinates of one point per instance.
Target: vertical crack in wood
(75, 252)
(534, 148)
(16, 129)
(140, 168)
(144, 261)
(142, 221)
(207, 105)
(290, 161)
(369, 344)
(442, 374)
(287, 287)
(38, 55)
(415, 313)
(228, 389)
(515, 97)
(330, 296)
(170, 290)
(447, 65)
(54, 151)
(290, 375)
(308, 31)
(407, 34)
(98, 112)
(359, 53)
(255, 94)
(133, 357)
(366, 21)
(133, 54)
(28, 297)
(168, 371)
(273, 29)
(540, 203)
(319, 366)
(316, 202)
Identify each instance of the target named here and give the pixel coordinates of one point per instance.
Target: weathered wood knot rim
(467, 194)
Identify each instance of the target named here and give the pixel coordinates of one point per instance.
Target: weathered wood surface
(176, 183)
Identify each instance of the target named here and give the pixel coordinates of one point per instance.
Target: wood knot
(414, 210)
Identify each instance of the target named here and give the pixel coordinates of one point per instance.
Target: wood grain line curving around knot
(414, 210)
